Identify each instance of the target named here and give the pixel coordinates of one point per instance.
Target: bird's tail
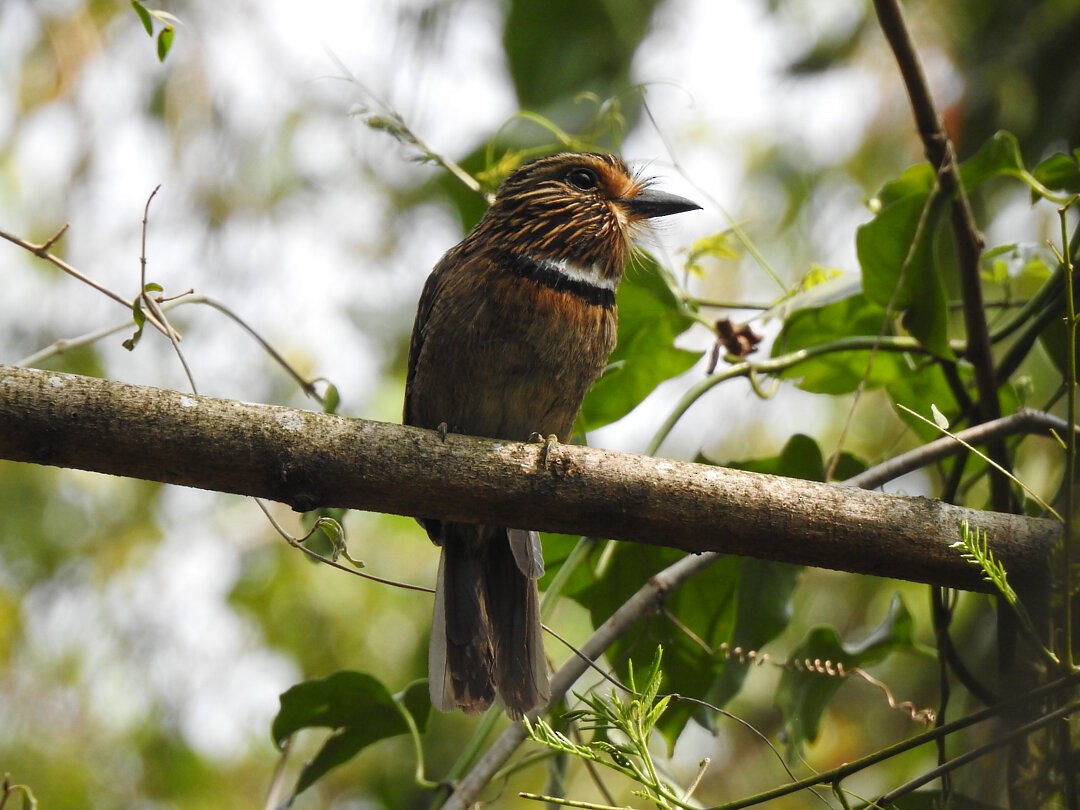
(486, 642)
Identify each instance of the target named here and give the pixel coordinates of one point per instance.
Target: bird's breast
(505, 355)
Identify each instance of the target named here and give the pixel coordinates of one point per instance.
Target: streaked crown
(582, 208)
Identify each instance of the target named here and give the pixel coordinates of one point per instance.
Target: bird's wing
(428, 297)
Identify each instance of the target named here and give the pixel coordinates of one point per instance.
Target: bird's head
(583, 208)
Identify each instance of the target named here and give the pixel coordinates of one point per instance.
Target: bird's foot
(549, 451)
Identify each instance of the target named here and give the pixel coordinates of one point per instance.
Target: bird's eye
(583, 179)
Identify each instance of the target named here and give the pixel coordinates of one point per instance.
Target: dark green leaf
(360, 709)
(557, 547)
(560, 48)
(837, 372)
(164, 42)
(1059, 171)
(883, 245)
(915, 180)
(338, 749)
(801, 458)
(336, 701)
(804, 696)
(899, 269)
(650, 318)
(144, 15)
(999, 156)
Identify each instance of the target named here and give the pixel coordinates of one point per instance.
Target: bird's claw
(550, 448)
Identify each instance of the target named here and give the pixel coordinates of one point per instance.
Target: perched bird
(514, 325)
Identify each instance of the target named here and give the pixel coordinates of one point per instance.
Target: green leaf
(331, 399)
(913, 181)
(913, 285)
(999, 156)
(139, 317)
(650, 318)
(1060, 171)
(164, 42)
(836, 372)
(144, 15)
(801, 458)
(539, 39)
(804, 696)
(882, 245)
(357, 706)
(718, 246)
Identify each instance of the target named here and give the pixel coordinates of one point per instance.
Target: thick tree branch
(309, 459)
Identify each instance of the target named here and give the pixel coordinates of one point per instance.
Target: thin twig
(42, 252)
(298, 543)
(1070, 442)
(150, 306)
(66, 344)
(841, 772)
(58, 347)
(1025, 420)
(969, 756)
(277, 782)
(308, 386)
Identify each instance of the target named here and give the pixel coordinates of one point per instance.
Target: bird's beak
(651, 203)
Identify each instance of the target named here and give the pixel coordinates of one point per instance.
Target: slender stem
(571, 802)
(277, 781)
(842, 772)
(775, 365)
(1045, 295)
(941, 610)
(42, 252)
(1070, 456)
(969, 756)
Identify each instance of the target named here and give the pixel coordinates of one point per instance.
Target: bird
(514, 325)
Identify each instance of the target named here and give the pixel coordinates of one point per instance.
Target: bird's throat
(584, 282)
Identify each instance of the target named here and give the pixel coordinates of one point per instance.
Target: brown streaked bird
(514, 325)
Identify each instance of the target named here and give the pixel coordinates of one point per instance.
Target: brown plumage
(514, 325)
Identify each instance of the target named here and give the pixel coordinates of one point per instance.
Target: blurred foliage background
(146, 632)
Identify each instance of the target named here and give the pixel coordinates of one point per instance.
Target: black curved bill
(653, 203)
